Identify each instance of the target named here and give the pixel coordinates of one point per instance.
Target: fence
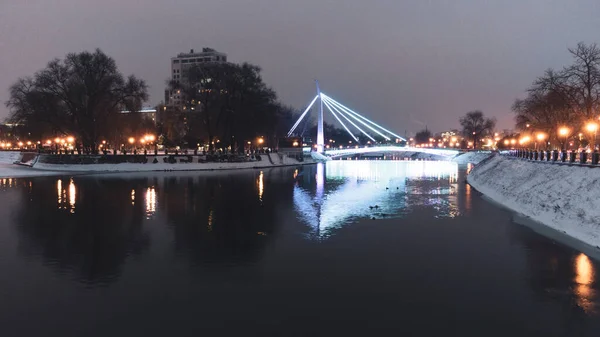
(564, 157)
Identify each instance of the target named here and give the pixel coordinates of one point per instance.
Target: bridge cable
(346, 118)
(358, 115)
(345, 114)
(339, 120)
(302, 116)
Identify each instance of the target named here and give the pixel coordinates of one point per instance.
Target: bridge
(448, 153)
(360, 123)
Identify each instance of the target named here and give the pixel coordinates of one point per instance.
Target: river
(347, 248)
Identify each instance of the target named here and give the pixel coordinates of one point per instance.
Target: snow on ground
(562, 197)
(9, 157)
(422, 156)
(16, 171)
(41, 169)
(474, 157)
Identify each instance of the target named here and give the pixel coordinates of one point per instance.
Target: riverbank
(561, 197)
(473, 157)
(35, 167)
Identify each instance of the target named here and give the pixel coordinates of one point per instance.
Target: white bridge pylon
(343, 113)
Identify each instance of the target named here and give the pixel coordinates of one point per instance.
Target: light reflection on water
(584, 277)
(66, 196)
(150, 202)
(346, 191)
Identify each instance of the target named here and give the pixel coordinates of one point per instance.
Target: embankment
(565, 198)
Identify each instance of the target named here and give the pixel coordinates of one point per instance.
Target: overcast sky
(404, 63)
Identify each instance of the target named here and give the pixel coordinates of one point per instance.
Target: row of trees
(474, 126)
(81, 95)
(229, 103)
(565, 99)
(84, 95)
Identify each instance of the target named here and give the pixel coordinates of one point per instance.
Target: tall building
(183, 61)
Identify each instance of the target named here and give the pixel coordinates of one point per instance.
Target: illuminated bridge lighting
(339, 112)
(361, 117)
(344, 125)
(302, 116)
(353, 116)
(344, 191)
(380, 149)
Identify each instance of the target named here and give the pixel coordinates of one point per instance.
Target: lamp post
(564, 131)
(592, 127)
(540, 137)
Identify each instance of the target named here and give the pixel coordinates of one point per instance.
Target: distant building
(183, 61)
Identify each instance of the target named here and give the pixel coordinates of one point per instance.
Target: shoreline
(557, 198)
(11, 168)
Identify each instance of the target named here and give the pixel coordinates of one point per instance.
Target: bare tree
(423, 136)
(475, 125)
(584, 76)
(77, 95)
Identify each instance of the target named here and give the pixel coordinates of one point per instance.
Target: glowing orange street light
(57, 140)
(131, 140)
(70, 140)
(48, 142)
(506, 142)
(540, 137)
(592, 127)
(564, 131)
(143, 141)
(260, 141)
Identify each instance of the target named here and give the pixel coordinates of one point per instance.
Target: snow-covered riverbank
(564, 198)
(473, 157)
(10, 170)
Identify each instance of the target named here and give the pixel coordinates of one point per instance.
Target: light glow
(302, 116)
(365, 119)
(353, 115)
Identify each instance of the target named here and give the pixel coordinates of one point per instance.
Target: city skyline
(380, 58)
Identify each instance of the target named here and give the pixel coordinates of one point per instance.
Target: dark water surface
(282, 252)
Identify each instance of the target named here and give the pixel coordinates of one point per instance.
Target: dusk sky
(405, 64)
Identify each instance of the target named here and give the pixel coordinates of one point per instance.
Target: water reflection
(92, 240)
(261, 185)
(584, 271)
(559, 273)
(66, 197)
(150, 202)
(345, 191)
(72, 195)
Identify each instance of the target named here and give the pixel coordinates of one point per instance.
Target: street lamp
(592, 127)
(564, 131)
(540, 137)
(131, 140)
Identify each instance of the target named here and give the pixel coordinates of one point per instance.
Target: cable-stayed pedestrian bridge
(334, 153)
(362, 126)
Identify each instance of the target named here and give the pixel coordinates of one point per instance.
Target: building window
(185, 61)
(175, 61)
